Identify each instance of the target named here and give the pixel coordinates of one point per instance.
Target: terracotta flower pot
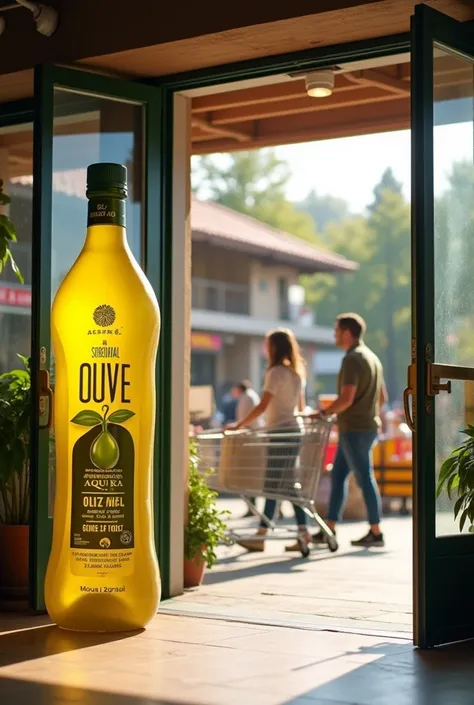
(14, 562)
(194, 571)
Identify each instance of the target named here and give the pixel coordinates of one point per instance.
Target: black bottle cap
(107, 178)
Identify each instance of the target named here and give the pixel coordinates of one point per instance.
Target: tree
(390, 221)
(253, 183)
(380, 289)
(323, 209)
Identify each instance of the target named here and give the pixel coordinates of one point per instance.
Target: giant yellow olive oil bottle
(103, 573)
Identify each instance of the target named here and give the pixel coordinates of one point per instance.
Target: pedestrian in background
(282, 399)
(361, 395)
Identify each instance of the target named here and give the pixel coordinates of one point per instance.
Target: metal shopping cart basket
(282, 463)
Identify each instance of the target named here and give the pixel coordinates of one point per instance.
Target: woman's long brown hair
(283, 349)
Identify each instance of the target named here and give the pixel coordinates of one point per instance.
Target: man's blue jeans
(353, 455)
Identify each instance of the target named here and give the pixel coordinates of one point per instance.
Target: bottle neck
(107, 212)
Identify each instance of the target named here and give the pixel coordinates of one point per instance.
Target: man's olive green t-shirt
(362, 369)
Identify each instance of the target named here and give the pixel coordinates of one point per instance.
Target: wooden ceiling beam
(350, 115)
(303, 104)
(311, 134)
(348, 82)
(375, 77)
(19, 159)
(210, 127)
(303, 128)
(262, 94)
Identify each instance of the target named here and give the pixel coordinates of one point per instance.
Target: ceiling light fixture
(319, 84)
(46, 18)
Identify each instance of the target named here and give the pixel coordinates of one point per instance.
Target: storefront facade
(144, 120)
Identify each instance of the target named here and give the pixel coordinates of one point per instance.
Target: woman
(282, 399)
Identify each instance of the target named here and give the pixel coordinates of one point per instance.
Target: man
(361, 394)
(228, 408)
(247, 400)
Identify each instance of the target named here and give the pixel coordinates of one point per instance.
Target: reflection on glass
(88, 129)
(16, 168)
(453, 251)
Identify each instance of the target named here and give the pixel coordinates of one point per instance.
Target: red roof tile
(220, 225)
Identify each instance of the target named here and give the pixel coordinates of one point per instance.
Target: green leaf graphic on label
(88, 418)
(105, 452)
(120, 416)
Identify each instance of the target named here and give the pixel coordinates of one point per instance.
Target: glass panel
(16, 168)
(88, 129)
(453, 249)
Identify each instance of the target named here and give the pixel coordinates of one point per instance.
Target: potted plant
(456, 478)
(205, 527)
(14, 481)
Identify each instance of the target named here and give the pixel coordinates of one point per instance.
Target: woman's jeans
(354, 455)
(280, 475)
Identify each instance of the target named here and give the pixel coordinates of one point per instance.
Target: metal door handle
(438, 387)
(435, 373)
(46, 395)
(407, 393)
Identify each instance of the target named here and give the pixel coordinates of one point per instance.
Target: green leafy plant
(14, 445)
(104, 451)
(206, 527)
(456, 478)
(7, 236)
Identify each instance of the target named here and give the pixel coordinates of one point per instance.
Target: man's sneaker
(320, 538)
(371, 540)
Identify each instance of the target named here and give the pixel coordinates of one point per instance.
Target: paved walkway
(186, 661)
(353, 588)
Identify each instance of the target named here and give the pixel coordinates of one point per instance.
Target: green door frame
(157, 270)
(443, 565)
(17, 112)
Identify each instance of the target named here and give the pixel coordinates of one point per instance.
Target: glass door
(81, 118)
(441, 376)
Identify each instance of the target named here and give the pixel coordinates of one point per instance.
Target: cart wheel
(304, 548)
(332, 544)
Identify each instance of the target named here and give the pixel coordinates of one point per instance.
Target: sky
(350, 167)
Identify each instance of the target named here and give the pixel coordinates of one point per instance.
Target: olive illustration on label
(104, 453)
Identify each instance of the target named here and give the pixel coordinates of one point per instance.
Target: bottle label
(106, 210)
(102, 532)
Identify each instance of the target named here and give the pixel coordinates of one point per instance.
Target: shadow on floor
(39, 641)
(276, 565)
(11, 621)
(401, 676)
(22, 692)
(396, 675)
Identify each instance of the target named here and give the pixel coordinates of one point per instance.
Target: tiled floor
(181, 660)
(352, 588)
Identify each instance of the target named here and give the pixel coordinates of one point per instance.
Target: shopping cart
(282, 463)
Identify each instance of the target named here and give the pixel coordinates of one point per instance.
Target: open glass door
(441, 377)
(82, 118)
